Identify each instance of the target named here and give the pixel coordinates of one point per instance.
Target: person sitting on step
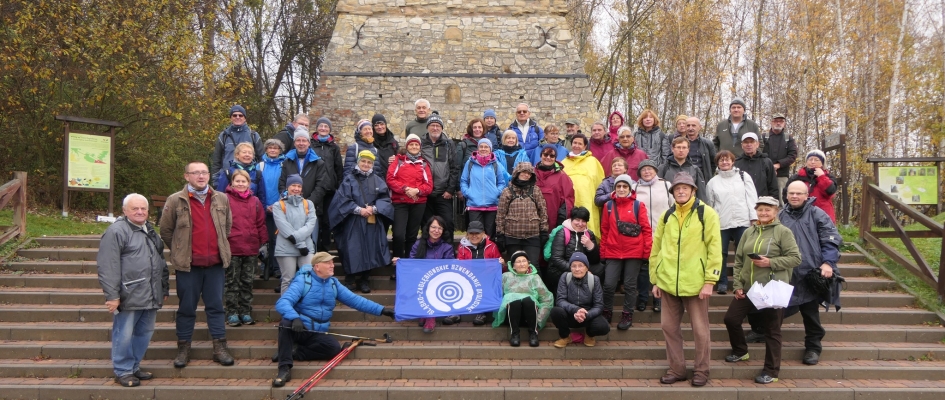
(579, 303)
(526, 301)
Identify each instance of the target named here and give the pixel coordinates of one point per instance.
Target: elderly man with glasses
(526, 128)
(238, 132)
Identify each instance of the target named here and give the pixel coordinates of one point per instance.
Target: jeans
(564, 321)
(488, 220)
(309, 345)
(735, 235)
(630, 268)
(200, 283)
(407, 221)
(437, 205)
(131, 334)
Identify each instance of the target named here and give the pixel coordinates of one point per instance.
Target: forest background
(169, 70)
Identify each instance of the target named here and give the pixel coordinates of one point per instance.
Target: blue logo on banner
(439, 288)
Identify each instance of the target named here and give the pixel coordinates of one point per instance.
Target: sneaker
(234, 320)
(533, 339)
(754, 337)
(514, 339)
(736, 358)
(127, 380)
(626, 321)
(429, 325)
(452, 319)
(765, 379)
(364, 286)
(248, 320)
(722, 289)
(563, 342)
(589, 341)
(480, 320)
(143, 375)
(641, 305)
(657, 305)
(811, 357)
(284, 375)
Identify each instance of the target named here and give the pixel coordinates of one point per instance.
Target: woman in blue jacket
(481, 183)
(510, 153)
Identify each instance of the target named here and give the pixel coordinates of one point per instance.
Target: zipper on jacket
(679, 247)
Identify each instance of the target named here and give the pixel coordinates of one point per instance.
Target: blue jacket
(271, 170)
(316, 308)
(562, 151)
(528, 140)
(518, 156)
(351, 158)
(819, 242)
(482, 184)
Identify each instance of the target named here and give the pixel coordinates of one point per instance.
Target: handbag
(630, 229)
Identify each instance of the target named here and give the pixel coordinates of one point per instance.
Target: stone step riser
(305, 369)
(903, 317)
(203, 351)
(71, 332)
(268, 297)
(377, 283)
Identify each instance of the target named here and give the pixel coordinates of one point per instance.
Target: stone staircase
(54, 344)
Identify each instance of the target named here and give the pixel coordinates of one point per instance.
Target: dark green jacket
(774, 241)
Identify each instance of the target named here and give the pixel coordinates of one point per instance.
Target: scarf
(483, 160)
(544, 167)
(244, 194)
(245, 167)
(368, 140)
(200, 195)
(510, 149)
(412, 157)
(642, 182)
(323, 139)
(521, 184)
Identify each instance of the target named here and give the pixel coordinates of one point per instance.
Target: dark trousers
(813, 331)
(613, 269)
(271, 245)
(309, 345)
(770, 320)
(564, 321)
(530, 246)
(643, 283)
(488, 221)
(437, 205)
(200, 283)
(324, 226)
(407, 221)
(523, 313)
(730, 234)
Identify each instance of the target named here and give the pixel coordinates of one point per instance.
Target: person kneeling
(580, 301)
(306, 307)
(526, 301)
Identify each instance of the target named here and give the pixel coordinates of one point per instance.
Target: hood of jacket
(524, 167)
(310, 156)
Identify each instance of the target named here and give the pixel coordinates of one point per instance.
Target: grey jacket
(651, 142)
(131, 266)
(576, 295)
(725, 139)
(295, 222)
(668, 170)
(819, 242)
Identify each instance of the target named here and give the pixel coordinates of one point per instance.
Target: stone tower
(463, 56)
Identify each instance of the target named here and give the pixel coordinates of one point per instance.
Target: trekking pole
(387, 338)
(314, 379)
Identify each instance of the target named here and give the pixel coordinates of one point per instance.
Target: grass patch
(49, 222)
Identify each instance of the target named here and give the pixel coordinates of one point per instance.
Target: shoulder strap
(590, 280)
(669, 212)
(304, 205)
(636, 210)
(568, 279)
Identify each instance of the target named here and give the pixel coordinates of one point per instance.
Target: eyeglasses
(548, 155)
(521, 111)
(436, 228)
(625, 137)
(237, 116)
(199, 173)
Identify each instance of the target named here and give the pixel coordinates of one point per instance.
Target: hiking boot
(657, 305)
(626, 321)
(811, 357)
(533, 339)
(754, 337)
(765, 379)
(183, 354)
(364, 286)
(722, 289)
(221, 354)
(452, 319)
(670, 379)
(127, 380)
(563, 342)
(589, 341)
(248, 320)
(480, 320)
(284, 375)
(699, 380)
(142, 375)
(641, 305)
(608, 315)
(736, 358)
(514, 339)
(429, 324)
(234, 320)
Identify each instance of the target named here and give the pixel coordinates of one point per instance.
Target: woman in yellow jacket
(586, 174)
(685, 263)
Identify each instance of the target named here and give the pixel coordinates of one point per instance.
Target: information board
(911, 185)
(90, 161)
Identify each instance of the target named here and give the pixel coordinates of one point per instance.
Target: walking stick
(314, 379)
(387, 338)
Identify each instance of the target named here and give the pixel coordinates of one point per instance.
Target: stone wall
(463, 56)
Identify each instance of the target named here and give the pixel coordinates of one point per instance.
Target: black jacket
(781, 149)
(559, 264)
(762, 173)
(287, 137)
(386, 146)
(576, 295)
(443, 164)
(316, 180)
(330, 153)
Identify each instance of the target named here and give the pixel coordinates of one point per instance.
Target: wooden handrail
(14, 191)
(873, 196)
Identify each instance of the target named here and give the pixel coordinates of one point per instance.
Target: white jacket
(732, 195)
(657, 198)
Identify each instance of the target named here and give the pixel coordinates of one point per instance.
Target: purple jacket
(435, 251)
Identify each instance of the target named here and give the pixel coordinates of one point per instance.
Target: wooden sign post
(88, 160)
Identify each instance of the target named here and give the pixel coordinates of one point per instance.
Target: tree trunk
(894, 84)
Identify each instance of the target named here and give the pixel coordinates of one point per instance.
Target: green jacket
(681, 262)
(774, 241)
(516, 286)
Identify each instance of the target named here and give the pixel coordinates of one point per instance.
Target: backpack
(529, 195)
(495, 167)
(422, 164)
(282, 204)
(306, 274)
(700, 211)
(590, 280)
(567, 238)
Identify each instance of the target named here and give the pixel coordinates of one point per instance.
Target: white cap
(751, 135)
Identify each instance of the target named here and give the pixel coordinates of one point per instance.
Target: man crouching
(306, 307)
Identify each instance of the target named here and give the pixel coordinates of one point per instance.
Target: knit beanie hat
(361, 124)
(486, 141)
(302, 131)
(489, 113)
(412, 137)
(578, 256)
(434, 119)
(293, 179)
(819, 154)
(625, 179)
(238, 108)
(516, 255)
(323, 120)
(739, 101)
(647, 163)
(378, 118)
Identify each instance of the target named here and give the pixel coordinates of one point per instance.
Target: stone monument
(463, 56)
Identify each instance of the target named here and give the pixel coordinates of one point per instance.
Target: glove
(542, 238)
(303, 251)
(387, 311)
(292, 239)
(297, 325)
(499, 240)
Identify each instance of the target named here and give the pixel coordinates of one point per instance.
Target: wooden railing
(14, 191)
(873, 196)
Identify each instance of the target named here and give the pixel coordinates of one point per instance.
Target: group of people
(575, 217)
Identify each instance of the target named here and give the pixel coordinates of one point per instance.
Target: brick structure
(464, 56)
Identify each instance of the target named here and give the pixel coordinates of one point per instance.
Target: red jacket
(633, 157)
(486, 249)
(249, 232)
(613, 245)
(403, 173)
(557, 189)
(822, 189)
